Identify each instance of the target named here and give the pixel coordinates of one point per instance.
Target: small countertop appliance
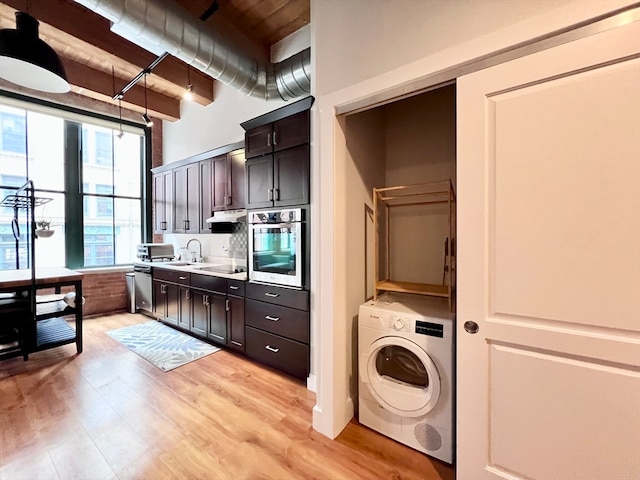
(155, 251)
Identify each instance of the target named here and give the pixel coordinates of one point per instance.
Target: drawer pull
(237, 344)
(271, 349)
(233, 287)
(182, 278)
(272, 295)
(216, 336)
(273, 319)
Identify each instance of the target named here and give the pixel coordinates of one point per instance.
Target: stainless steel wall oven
(276, 247)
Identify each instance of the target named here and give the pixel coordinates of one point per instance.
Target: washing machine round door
(402, 377)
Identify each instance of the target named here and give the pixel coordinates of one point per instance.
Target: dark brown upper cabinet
(282, 134)
(222, 184)
(277, 153)
(279, 180)
(162, 202)
(186, 199)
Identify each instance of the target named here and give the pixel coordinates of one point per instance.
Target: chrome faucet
(195, 258)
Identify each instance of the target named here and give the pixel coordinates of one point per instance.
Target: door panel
(235, 179)
(548, 232)
(259, 182)
(291, 176)
(219, 188)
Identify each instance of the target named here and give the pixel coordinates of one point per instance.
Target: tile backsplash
(216, 246)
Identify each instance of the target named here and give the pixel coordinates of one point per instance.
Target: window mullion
(73, 195)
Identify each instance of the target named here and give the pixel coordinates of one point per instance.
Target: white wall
(362, 39)
(420, 143)
(361, 49)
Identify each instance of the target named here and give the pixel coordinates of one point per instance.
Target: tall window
(98, 214)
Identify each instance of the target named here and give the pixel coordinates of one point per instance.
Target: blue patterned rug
(163, 346)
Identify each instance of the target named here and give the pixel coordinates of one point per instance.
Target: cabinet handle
(187, 294)
(268, 139)
(277, 195)
(272, 295)
(273, 319)
(233, 287)
(228, 199)
(182, 278)
(275, 141)
(216, 336)
(270, 194)
(163, 289)
(237, 344)
(271, 349)
(226, 305)
(188, 225)
(163, 225)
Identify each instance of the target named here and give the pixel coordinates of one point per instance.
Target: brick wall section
(104, 292)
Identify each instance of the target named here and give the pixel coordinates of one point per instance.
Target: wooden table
(49, 329)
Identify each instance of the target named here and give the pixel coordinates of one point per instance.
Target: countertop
(192, 267)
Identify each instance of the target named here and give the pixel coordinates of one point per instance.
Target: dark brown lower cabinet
(217, 317)
(278, 352)
(166, 301)
(184, 307)
(277, 328)
(199, 313)
(235, 316)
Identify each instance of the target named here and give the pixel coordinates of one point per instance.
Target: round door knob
(471, 327)
(398, 324)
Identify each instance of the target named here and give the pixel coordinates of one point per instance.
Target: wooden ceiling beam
(99, 85)
(72, 19)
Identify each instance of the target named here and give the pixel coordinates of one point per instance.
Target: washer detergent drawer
(280, 353)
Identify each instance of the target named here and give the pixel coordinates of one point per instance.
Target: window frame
(73, 158)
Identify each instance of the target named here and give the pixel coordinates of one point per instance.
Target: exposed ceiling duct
(164, 26)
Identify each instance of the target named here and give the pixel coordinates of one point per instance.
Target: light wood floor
(107, 413)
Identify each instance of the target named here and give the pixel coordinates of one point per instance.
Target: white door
(549, 264)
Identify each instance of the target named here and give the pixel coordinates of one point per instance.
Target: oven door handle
(277, 225)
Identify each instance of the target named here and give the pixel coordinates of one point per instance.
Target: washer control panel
(398, 324)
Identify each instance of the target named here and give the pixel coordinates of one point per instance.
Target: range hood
(228, 216)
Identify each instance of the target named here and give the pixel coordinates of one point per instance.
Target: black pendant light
(28, 61)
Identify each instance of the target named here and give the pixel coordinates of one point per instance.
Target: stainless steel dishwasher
(144, 288)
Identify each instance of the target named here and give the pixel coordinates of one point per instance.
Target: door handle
(275, 141)
(268, 139)
(271, 349)
(187, 294)
(270, 194)
(471, 327)
(277, 195)
(226, 305)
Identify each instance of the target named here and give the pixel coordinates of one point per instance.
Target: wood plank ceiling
(99, 63)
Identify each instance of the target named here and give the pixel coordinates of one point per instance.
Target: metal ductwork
(164, 26)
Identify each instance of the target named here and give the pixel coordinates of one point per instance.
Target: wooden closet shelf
(412, 287)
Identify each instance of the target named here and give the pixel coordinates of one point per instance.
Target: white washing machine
(406, 365)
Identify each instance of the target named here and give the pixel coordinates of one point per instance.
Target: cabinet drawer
(235, 287)
(283, 321)
(209, 282)
(285, 355)
(280, 296)
(174, 276)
